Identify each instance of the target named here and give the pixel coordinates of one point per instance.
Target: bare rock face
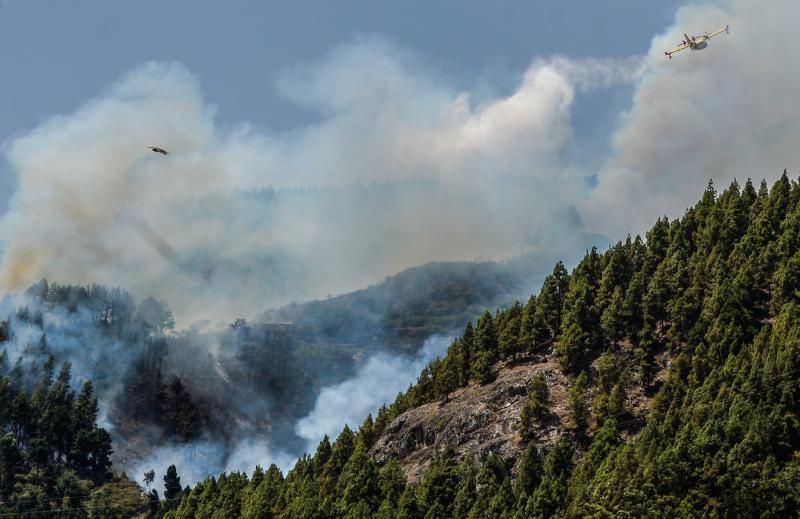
(476, 419)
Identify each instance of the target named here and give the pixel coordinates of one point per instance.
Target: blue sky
(57, 55)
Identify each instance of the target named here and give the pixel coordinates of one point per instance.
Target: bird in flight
(158, 150)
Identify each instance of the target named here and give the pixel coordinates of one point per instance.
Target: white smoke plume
(728, 111)
(202, 459)
(377, 382)
(94, 205)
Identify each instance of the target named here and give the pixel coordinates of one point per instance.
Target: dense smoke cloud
(94, 205)
(728, 111)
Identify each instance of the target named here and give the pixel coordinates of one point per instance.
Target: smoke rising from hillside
(377, 382)
(202, 459)
(725, 112)
(97, 333)
(94, 205)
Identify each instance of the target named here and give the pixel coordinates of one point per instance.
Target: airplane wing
(679, 48)
(726, 29)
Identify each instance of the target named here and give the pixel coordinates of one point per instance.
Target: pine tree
(508, 339)
(527, 335)
(612, 320)
(612, 375)
(578, 404)
(531, 467)
(10, 460)
(467, 352)
(483, 368)
(392, 483)
(536, 406)
(581, 325)
(447, 379)
(367, 432)
(503, 502)
(437, 488)
(322, 455)
(172, 484)
(340, 453)
(407, 507)
(492, 476)
(358, 483)
(486, 338)
(547, 318)
(466, 492)
(550, 497)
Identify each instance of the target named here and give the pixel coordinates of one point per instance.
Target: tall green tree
(578, 404)
(172, 484)
(536, 407)
(550, 302)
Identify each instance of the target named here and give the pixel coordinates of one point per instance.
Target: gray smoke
(728, 111)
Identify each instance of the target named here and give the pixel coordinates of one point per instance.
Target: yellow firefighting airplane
(695, 42)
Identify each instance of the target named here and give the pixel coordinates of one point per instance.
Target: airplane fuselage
(695, 42)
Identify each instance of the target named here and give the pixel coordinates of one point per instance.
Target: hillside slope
(681, 357)
(478, 419)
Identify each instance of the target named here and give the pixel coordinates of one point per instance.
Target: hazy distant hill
(410, 306)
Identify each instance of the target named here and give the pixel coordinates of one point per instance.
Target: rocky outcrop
(476, 419)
